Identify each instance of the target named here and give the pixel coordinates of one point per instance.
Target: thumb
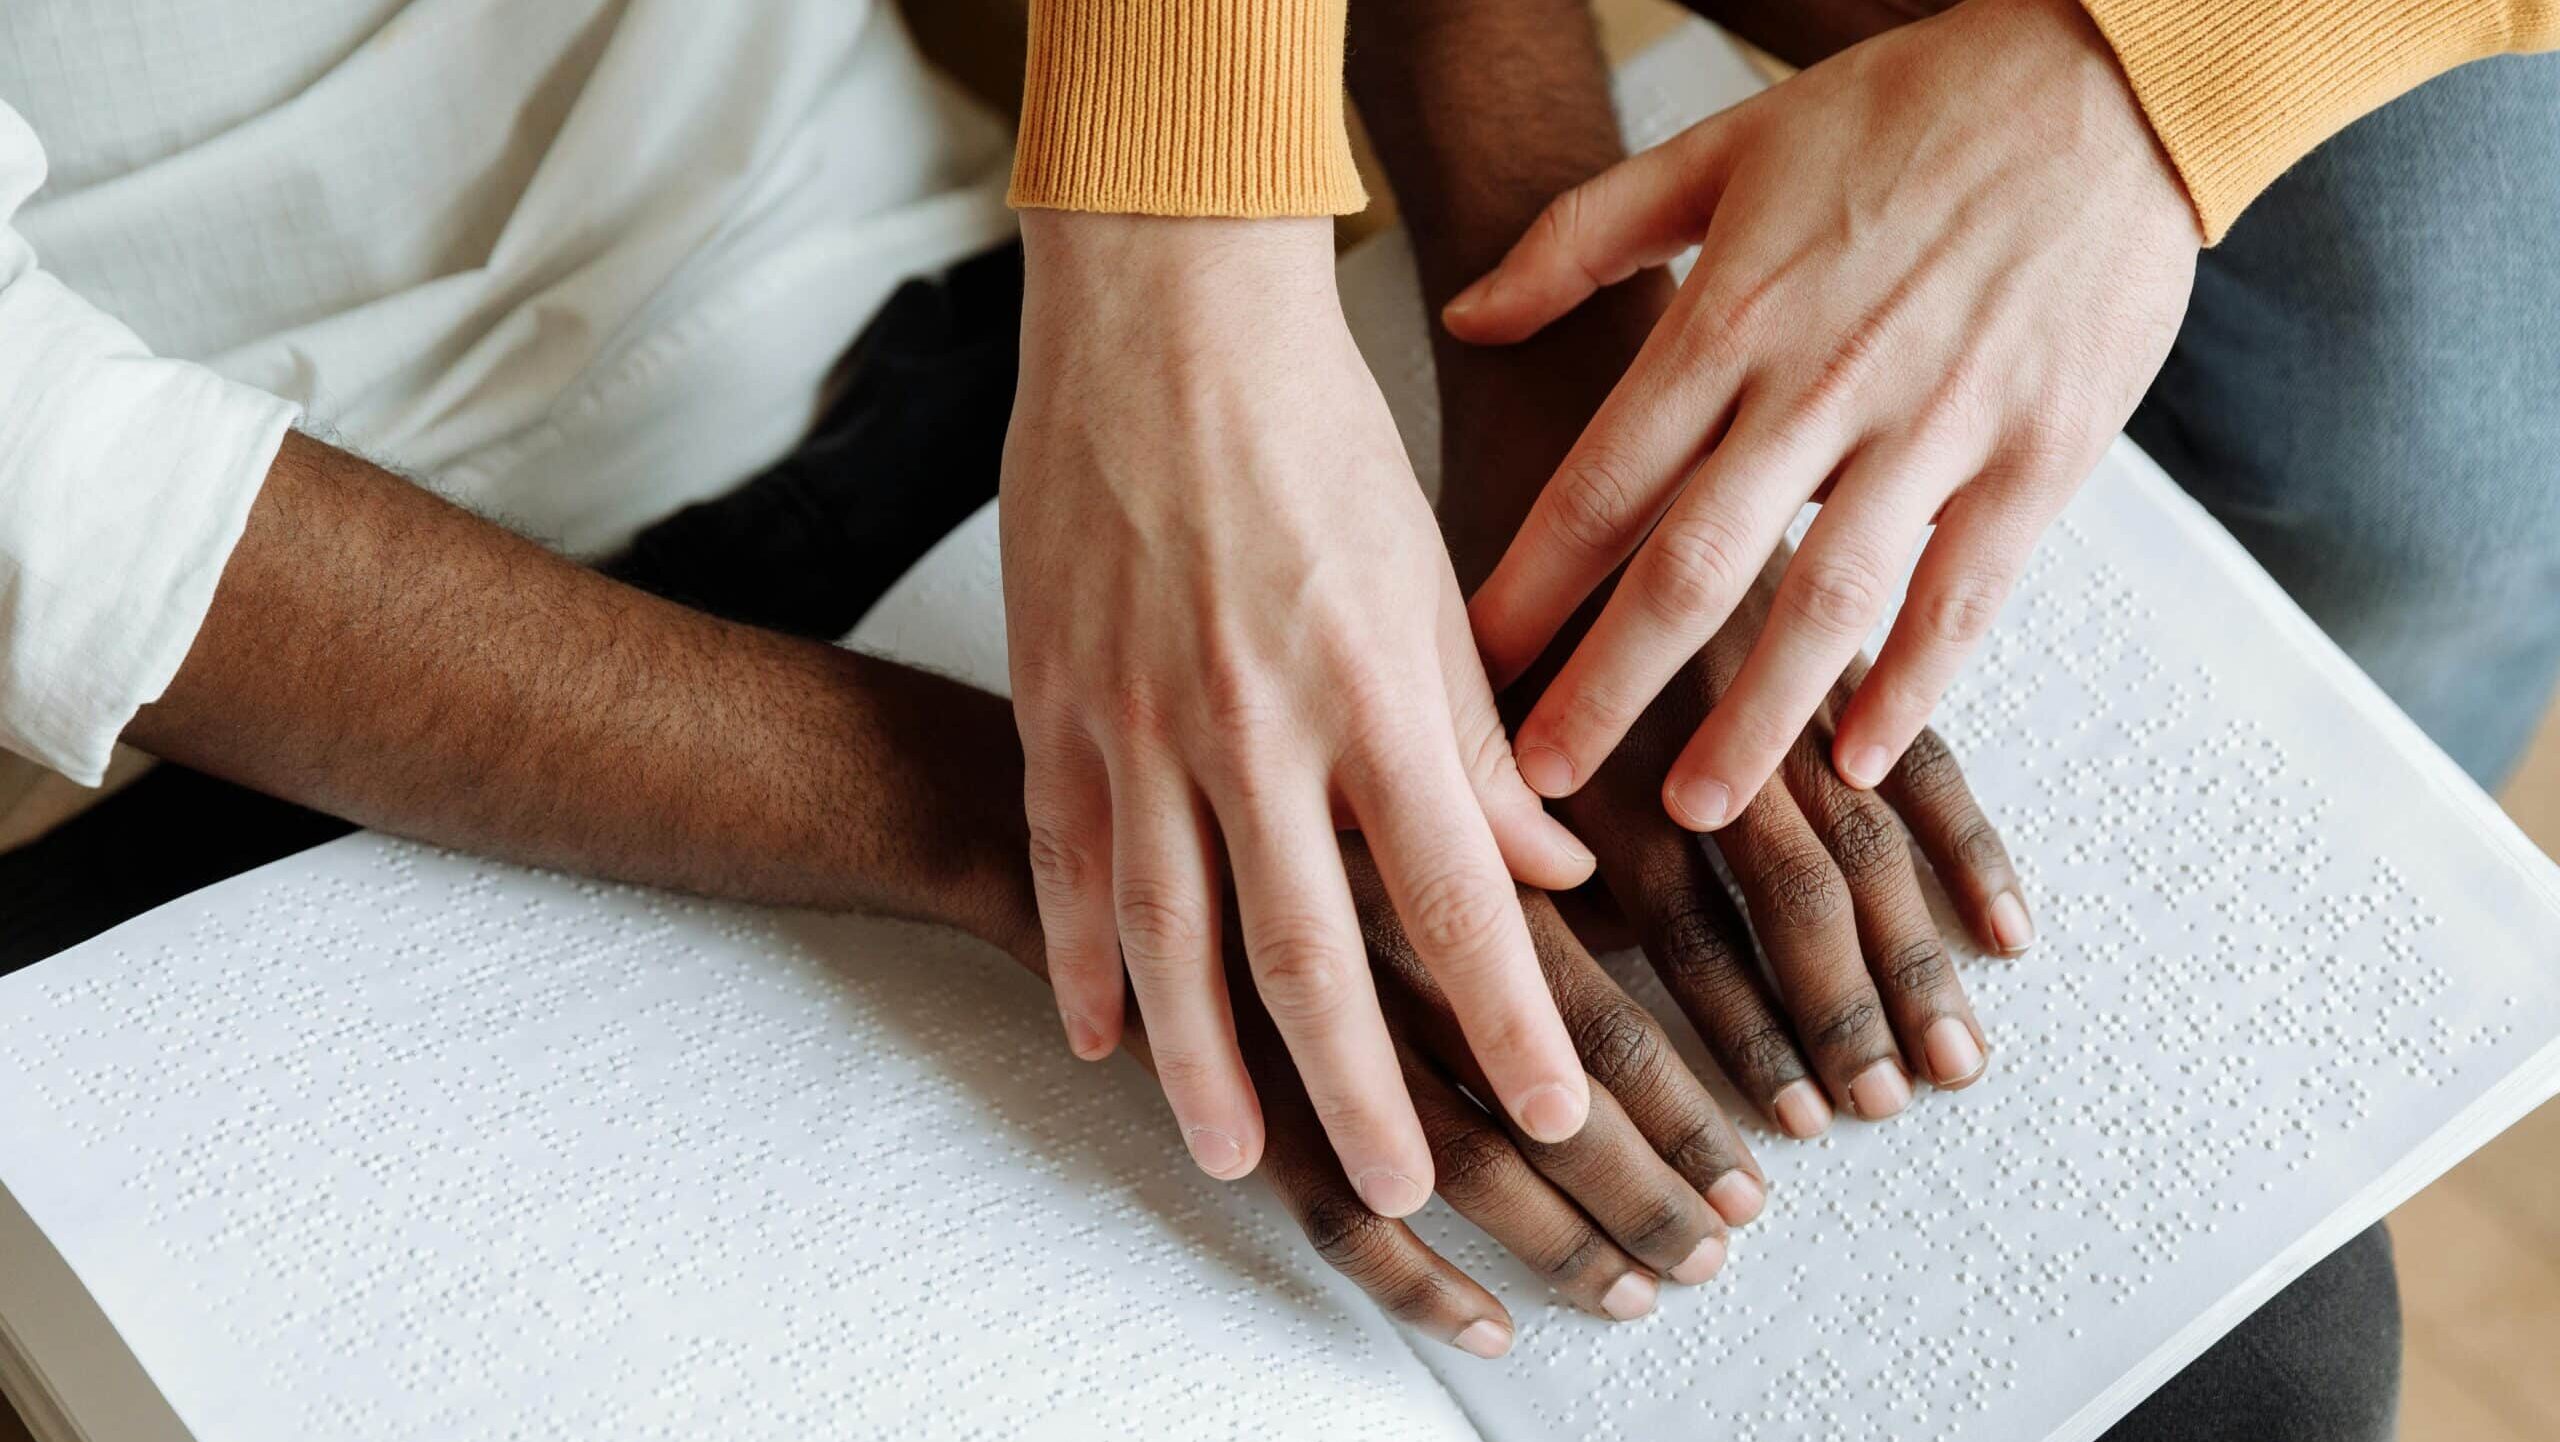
(1640, 212)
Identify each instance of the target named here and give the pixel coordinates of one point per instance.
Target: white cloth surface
(572, 262)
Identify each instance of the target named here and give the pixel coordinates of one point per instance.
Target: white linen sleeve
(125, 480)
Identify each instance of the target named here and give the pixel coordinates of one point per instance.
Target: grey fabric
(2367, 393)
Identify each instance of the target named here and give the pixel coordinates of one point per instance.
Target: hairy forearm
(382, 655)
(1803, 32)
(1482, 112)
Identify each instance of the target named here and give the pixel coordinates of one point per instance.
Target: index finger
(1462, 916)
(1677, 593)
(1620, 476)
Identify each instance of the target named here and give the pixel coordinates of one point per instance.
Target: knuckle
(1058, 857)
(1487, 759)
(1865, 839)
(1352, 1239)
(1595, 710)
(1928, 768)
(1917, 968)
(1741, 307)
(1762, 733)
(1804, 888)
(1766, 1051)
(1593, 502)
(1139, 711)
(1384, 727)
(1848, 365)
(1239, 705)
(1696, 939)
(1663, 1226)
(1617, 1043)
(1978, 846)
(1159, 922)
(1837, 595)
(1700, 1151)
(1566, 227)
(1474, 1163)
(1040, 683)
(1185, 1072)
(2041, 444)
(1967, 399)
(1845, 1024)
(1455, 916)
(1692, 567)
(1299, 970)
(1961, 612)
(1577, 1252)
(1411, 1293)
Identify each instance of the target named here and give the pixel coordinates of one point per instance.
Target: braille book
(385, 1144)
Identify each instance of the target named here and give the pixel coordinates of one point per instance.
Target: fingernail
(1880, 1091)
(1703, 1262)
(1552, 1114)
(1484, 1339)
(1467, 300)
(1389, 1193)
(1864, 767)
(1954, 1056)
(1630, 1297)
(2009, 924)
(1802, 1111)
(1546, 771)
(1215, 1151)
(1702, 805)
(1737, 1197)
(1083, 1037)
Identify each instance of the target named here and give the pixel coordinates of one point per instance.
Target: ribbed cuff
(1186, 107)
(2238, 90)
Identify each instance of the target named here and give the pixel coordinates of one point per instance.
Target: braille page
(2292, 966)
(383, 1144)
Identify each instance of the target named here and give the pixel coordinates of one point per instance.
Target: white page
(382, 1143)
(2292, 965)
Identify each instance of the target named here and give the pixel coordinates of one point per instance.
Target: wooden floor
(2479, 1251)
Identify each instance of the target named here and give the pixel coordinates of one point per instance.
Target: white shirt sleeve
(125, 480)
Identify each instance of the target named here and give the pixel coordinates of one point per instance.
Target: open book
(385, 1143)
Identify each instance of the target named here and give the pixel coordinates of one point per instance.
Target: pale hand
(1234, 629)
(1937, 272)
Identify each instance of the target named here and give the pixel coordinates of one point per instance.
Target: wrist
(914, 806)
(2077, 79)
(1169, 268)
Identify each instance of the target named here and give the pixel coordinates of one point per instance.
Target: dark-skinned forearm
(379, 654)
(1804, 32)
(1483, 111)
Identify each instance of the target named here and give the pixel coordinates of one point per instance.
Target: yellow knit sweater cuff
(2238, 90)
(1186, 107)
